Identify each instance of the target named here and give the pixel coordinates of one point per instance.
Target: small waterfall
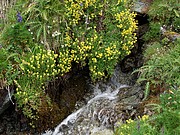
(99, 110)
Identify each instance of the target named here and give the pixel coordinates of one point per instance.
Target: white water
(97, 113)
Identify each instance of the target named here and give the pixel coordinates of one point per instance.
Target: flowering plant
(136, 127)
(86, 32)
(100, 32)
(40, 64)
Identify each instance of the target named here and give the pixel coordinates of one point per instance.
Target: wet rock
(11, 123)
(127, 92)
(169, 34)
(142, 6)
(2, 128)
(142, 29)
(102, 112)
(5, 99)
(103, 132)
(134, 60)
(64, 127)
(130, 100)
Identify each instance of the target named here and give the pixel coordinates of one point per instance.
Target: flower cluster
(28, 96)
(36, 68)
(64, 62)
(76, 10)
(40, 65)
(127, 23)
(93, 32)
(97, 32)
(132, 127)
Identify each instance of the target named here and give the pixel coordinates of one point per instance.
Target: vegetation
(163, 13)
(162, 67)
(160, 72)
(44, 38)
(166, 121)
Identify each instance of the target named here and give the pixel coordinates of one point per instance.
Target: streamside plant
(163, 13)
(48, 37)
(165, 121)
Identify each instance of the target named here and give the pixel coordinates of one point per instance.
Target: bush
(8, 66)
(165, 121)
(163, 13)
(16, 38)
(97, 33)
(136, 127)
(163, 66)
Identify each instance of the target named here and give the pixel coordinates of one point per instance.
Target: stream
(105, 105)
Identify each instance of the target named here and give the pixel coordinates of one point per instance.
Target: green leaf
(44, 14)
(146, 93)
(176, 12)
(39, 32)
(12, 55)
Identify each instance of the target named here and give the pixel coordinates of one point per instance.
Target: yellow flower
(145, 117)
(55, 55)
(94, 60)
(129, 121)
(26, 100)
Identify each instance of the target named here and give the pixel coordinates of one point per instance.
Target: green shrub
(8, 66)
(165, 121)
(16, 38)
(163, 13)
(3, 60)
(97, 33)
(163, 66)
(136, 127)
(100, 32)
(39, 64)
(153, 33)
(169, 117)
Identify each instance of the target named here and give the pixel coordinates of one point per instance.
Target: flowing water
(98, 111)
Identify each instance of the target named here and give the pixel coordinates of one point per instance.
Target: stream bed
(104, 106)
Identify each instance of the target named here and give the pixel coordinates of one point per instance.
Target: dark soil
(14, 123)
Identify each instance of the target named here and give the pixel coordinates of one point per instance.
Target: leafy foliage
(163, 13)
(165, 121)
(102, 37)
(97, 33)
(136, 127)
(169, 117)
(8, 66)
(163, 66)
(16, 38)
(154, 31)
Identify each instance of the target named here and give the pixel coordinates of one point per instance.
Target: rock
(5, 100)
(103, 132)
(1, 128)
(142, 29)
(169, 34)
(128, 92)
(142, 6)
